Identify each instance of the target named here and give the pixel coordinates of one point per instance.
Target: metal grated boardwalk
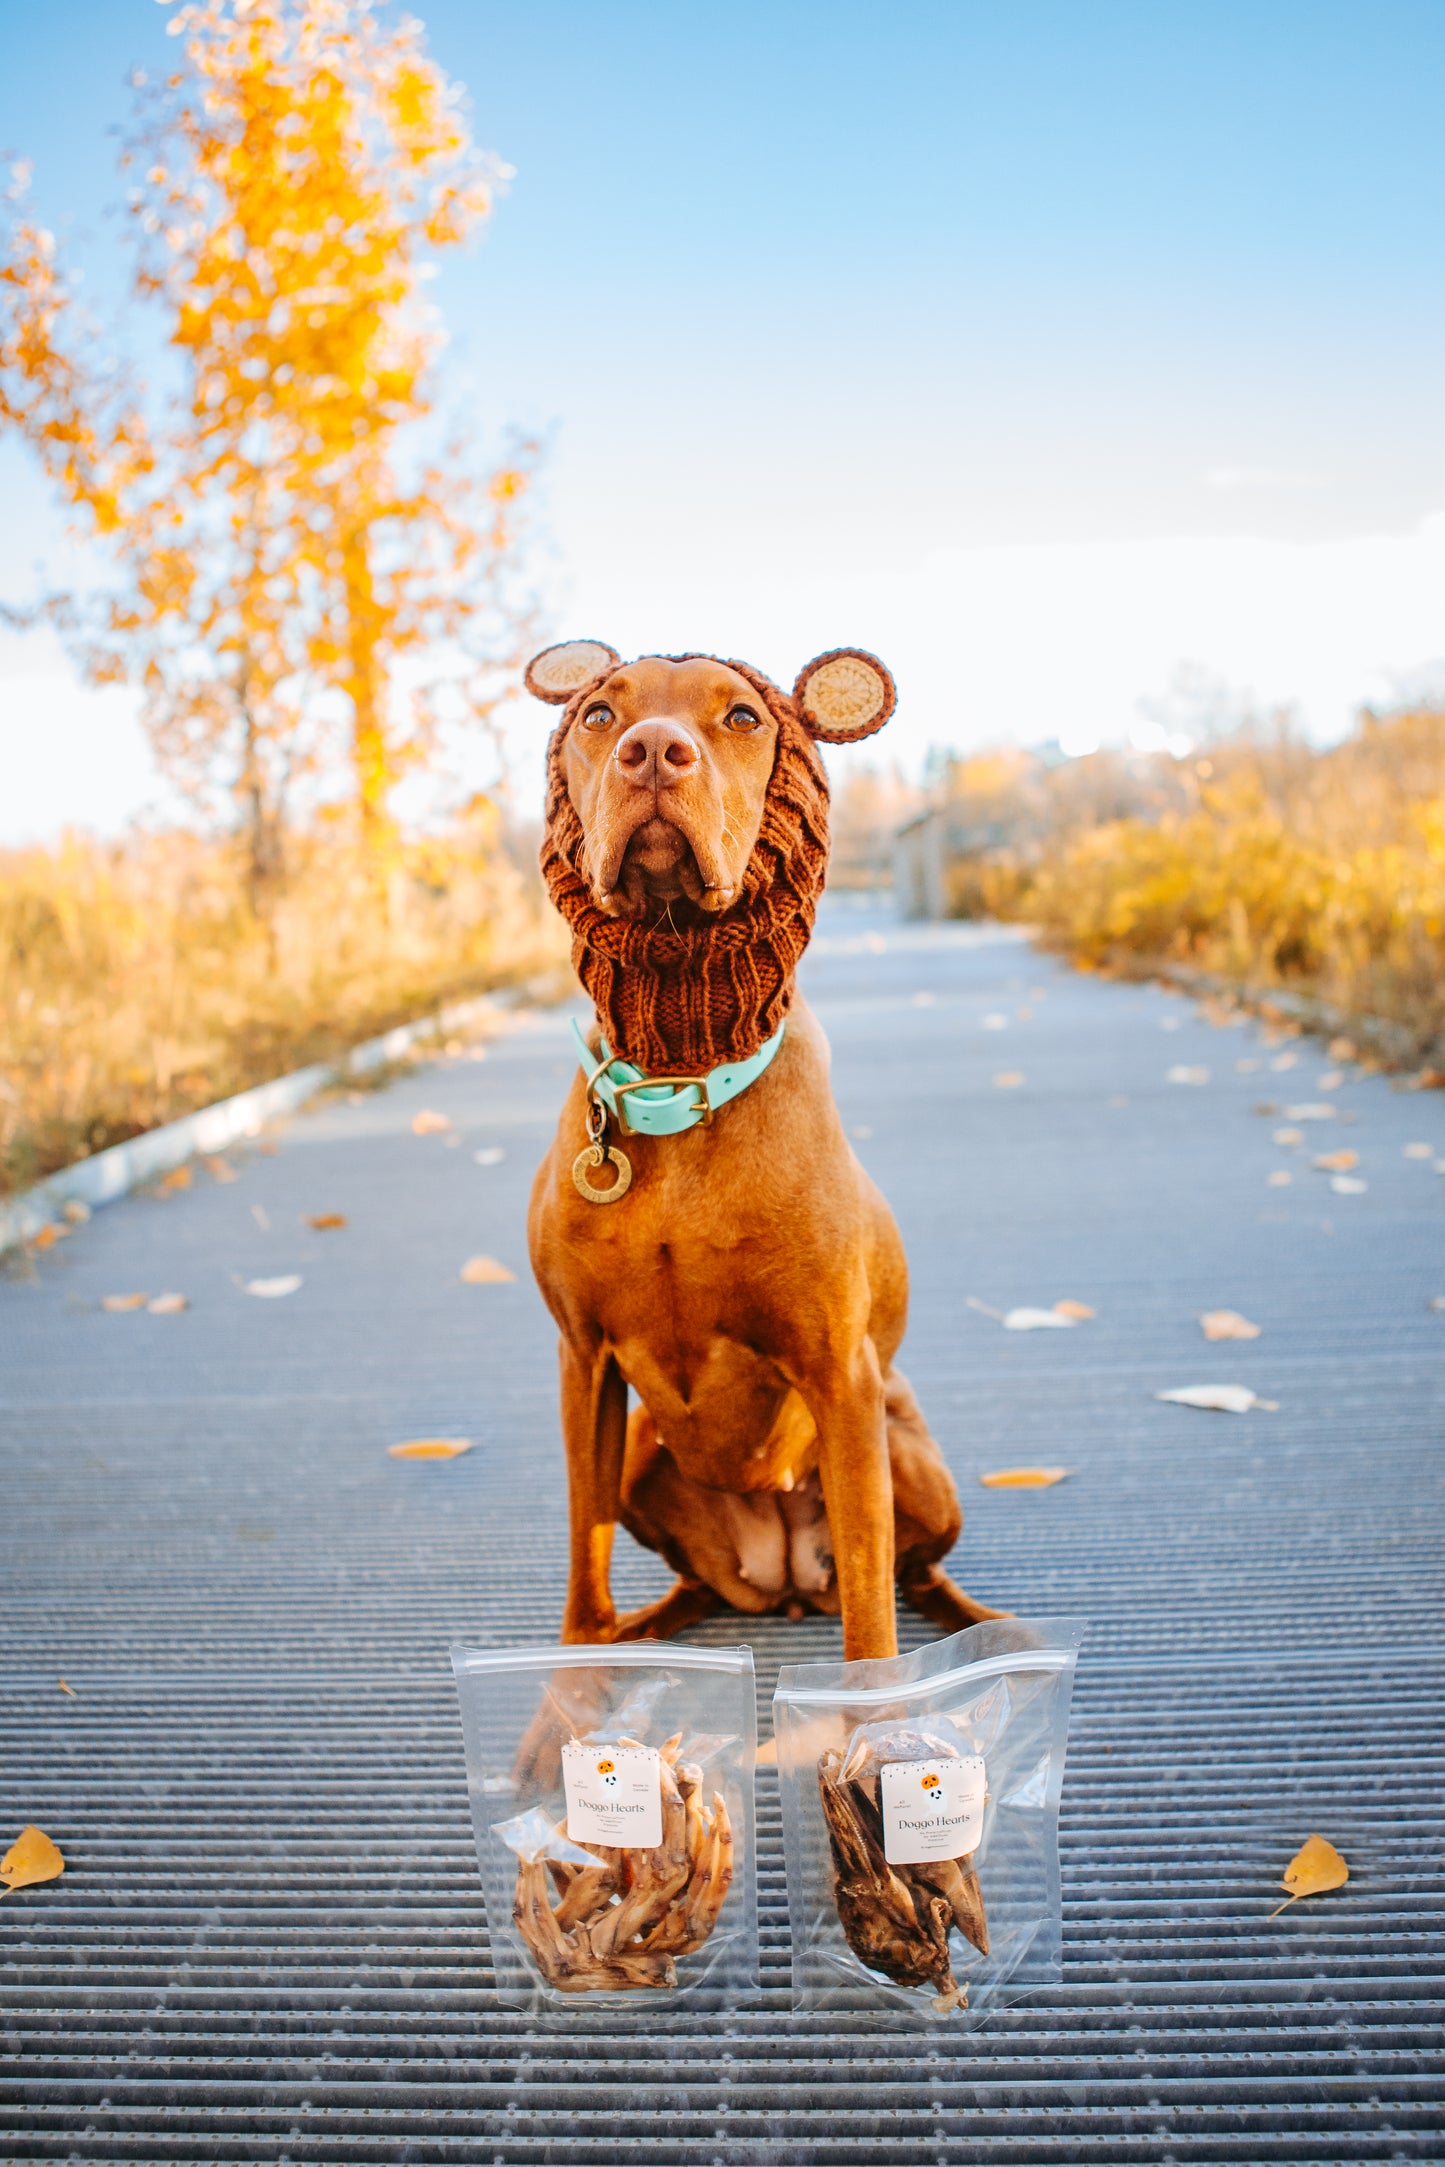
(269, 1944)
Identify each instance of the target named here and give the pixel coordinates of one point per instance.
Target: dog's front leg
(594, 1431)
(847, 1407)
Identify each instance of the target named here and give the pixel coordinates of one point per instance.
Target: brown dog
(742, 1275)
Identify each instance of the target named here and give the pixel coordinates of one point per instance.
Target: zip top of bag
(1039, 1644)
(614, 1655)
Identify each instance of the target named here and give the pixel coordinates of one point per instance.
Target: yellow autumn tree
(294, 581)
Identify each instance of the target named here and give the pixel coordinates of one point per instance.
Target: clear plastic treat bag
(612, 1797)
(920, 1802)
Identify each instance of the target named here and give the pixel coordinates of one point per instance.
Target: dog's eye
(742, 718)
(597, 718)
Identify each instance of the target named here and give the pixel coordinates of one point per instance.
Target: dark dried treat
(896, 1918)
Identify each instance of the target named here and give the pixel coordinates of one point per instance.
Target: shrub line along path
(269, 1944)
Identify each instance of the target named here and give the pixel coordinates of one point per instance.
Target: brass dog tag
(593, 1155)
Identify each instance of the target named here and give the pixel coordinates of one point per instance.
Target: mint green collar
(666, 1105)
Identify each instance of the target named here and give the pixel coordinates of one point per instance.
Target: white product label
(614, 1795)
(932, 1809)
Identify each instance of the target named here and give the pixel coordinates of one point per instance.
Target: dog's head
(665, 770)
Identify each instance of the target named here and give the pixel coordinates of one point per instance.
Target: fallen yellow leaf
(220, 1169)
(431, 1448)
(1077, 1310)
(1227, 1324)
(427, 1123)
(123, 1301)
(1024, 1478)
(32, 1857)
(321, 1220)
(179, 1177)
(1337, 1162)
(167, 1305)
(1009, 1078)
(1315, 1867)
(485, 1272)
(46, 1238)
(70, 1689)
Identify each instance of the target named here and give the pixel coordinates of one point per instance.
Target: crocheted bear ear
(844, 695)
(559, 671)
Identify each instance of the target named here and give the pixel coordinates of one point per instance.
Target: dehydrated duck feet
(620, 1924)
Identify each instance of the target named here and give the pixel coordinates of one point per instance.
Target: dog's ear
(844, 695)
(559, 671)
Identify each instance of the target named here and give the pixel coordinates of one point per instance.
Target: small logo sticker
(932, 1809)
(614, 1797)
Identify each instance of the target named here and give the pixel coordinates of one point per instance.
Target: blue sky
(1044, 347)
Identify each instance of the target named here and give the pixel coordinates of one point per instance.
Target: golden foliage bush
(136, 984)
(1272, 865)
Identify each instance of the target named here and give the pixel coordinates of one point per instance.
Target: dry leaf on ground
(1008, 1079)
(179, 1177)
(1312, 1110)
(1337, 1162)
(220, 1169)
(1227, 1324)
(1419, 1151)
(271, 1290)
(1342, 1049)
(1184, 1073)
(1315, 1867)
(429, 1123)
(1330, 1081)
(1348, 1185)
(1024, 1478)
(995, 1022)
(31, 1858)
(1060, 1317)
(261, 1217)
(1223, 1399)
(123, 1301)
(47, 1237)
(486, 1272)
(1279, 1179)
(431, 1448)
(167, 1305)
(64, 1688)
(322, 1220)
(1284, 1060)
(76, 1212)
(1287, 1136)
(493, 1155)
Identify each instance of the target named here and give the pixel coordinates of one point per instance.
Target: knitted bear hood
(692, 990)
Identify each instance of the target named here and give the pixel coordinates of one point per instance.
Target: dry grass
(1261, 860)
(136, 986)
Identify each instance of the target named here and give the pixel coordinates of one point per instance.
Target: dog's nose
(656, 753)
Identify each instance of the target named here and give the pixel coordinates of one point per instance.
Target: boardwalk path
(270, 1943)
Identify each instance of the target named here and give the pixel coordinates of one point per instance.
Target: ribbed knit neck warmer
(685, 993)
